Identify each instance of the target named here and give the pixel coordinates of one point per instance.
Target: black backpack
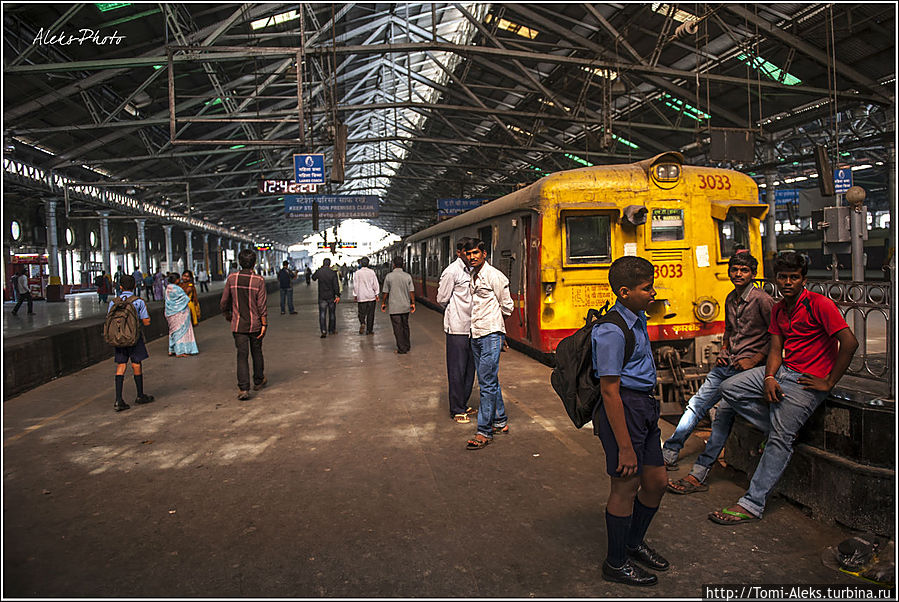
(122, 325)
(572, 377)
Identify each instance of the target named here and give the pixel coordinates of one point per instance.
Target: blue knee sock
(617, 528)
(139, 383)
(640, 520)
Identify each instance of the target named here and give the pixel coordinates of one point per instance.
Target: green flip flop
(741, 517)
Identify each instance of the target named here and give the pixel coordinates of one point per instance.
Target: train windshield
(733, 231)
(589, 238)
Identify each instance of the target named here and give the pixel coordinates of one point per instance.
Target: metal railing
(866, 308)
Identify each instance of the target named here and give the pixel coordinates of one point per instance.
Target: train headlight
(667, 172)
(705, 308)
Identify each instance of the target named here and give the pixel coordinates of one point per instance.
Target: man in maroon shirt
(244, 305)
(811, 347)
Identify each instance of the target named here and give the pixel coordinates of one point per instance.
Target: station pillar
(54, 286)
(142, 246)
(104, 242)
(206, 253)
(168, 247)
(189, 250)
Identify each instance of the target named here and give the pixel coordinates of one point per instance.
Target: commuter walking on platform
(308, 275)
(117, 280)
(328, 297)
(747, 315)
(104, 287)
(135, 354)
(159, 283)
(203, 280)
(138, 280)
(398, 300)
(490, 302)
(148, 286)
(365, 291)
(285, 281)
(454, 294)
(23, 293)
(626, 423)
(244, 305)
(177, 313)
(187, 283)
(811, 348)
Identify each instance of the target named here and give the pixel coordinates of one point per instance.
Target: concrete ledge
(34, 359)
(834, 487)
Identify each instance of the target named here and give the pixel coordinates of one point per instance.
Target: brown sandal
(478, 442)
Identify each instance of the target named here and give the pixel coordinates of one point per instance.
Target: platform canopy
(196, 103)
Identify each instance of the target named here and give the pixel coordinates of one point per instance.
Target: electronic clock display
(285, 187)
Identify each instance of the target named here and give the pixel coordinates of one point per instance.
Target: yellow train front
(556, 239)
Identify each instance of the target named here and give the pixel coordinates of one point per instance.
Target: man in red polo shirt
(811, 347)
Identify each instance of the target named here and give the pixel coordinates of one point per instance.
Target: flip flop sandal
(477, 443)
(501, 430)
(686, 487)
(741, 517)
(462, 418)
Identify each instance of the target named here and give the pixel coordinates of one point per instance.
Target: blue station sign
(782, 196)
(842, 180)
(309, 169)
(331, 206)
(447, 208)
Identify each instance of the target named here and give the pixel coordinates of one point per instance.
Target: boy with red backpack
(126, 313)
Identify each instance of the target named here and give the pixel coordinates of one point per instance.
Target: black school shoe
(648, 557)
(144, 399)
(120, 405)
(628, 574)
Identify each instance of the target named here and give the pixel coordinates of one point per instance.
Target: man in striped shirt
(244, 305)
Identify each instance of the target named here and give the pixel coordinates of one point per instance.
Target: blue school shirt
(608, 352)
(139, 305)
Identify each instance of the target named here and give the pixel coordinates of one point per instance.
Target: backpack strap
(630, 341)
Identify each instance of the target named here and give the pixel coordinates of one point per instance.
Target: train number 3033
(669, 270)
(713, 181)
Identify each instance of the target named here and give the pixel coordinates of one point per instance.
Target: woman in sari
(177, 313)
(159, 283)
(187, 283)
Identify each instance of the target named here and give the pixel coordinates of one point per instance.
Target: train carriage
(556, 239)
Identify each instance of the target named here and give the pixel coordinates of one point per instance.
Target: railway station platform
(344, 477)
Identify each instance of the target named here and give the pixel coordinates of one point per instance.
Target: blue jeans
(744, 394)
(327, 309)
(704, 399)
(491, 412)
(287, 295)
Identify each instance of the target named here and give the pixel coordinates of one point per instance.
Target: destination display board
(447, 208)
(285, 187)
(331, 206)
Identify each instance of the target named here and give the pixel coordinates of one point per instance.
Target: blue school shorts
(641, 412)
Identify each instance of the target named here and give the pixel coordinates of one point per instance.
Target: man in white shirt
(23, 292)
(203, 279)
(490, 301)
(365, 291)
(454, 294)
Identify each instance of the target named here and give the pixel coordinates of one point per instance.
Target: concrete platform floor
(345, 477)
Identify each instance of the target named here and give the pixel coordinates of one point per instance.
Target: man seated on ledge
(811, 347)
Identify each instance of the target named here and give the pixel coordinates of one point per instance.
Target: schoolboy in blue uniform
(626, 423)
(136, 353)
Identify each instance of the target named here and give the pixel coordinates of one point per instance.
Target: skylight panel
(105, 7)
(604, 73)
(770, 70)
(579, 160)
(525, 32)
(290, 15)
(679, 15)
(682, 107)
